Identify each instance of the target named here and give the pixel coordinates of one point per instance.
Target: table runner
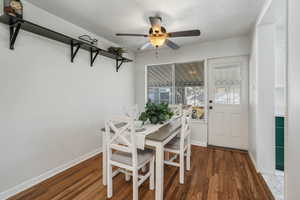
(153, 130)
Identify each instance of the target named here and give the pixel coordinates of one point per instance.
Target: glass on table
(132, 111)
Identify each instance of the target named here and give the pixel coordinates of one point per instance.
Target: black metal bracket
(15, 24)
(14, 31)
(119, 63)
(73, 53)
(94, 54)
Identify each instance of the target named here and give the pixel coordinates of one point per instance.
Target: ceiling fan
(158, 35)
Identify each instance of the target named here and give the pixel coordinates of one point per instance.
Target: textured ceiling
(217, 19)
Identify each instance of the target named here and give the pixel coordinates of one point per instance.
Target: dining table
(155, 136)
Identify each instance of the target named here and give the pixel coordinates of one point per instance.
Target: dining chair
(122, 153)
(181, 145)
(176, 108)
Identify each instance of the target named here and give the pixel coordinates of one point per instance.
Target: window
(227, 82)
(194, 96)
(185, 79)
(160, 79)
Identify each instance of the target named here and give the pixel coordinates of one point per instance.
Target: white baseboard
(199, 143)
(257, 168)
(253, 160)
(31, 182)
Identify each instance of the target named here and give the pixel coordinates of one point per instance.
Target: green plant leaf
(156, 113)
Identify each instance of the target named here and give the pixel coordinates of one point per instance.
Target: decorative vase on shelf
(13, 8)
(116, 50)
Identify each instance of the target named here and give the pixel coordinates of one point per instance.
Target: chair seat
(126, 158)
(174, 144)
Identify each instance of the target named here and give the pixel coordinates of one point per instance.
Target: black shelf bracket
(119, 63)
(14, 31)
(15, 24)
(73, 53)
(94, 54)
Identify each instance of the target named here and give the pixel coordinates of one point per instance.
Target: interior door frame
(244, 59)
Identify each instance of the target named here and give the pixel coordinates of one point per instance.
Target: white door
(228, 102)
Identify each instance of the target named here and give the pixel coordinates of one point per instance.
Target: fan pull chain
(156, 52)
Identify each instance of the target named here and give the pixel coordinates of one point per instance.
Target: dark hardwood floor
(216, 174)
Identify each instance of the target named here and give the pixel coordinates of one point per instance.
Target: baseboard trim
(253, 161)
(260, 178)
(36, 180)
(266, 187)
(198, 143)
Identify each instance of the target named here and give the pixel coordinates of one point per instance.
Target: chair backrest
(120, 136)
(185, 126)
(176, 108)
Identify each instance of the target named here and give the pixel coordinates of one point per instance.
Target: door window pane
(227, 82)
(234, 95)
(221, 95)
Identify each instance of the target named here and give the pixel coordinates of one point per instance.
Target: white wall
(280, 67)
(293, 137)
(253, 98)
(254, 85)
(267, 73)
(51, 110)
(265, 124)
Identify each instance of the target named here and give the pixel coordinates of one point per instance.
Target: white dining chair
(123, 153)
(181, 145)
(176, 108)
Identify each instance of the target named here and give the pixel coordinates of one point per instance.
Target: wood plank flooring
(216, 174)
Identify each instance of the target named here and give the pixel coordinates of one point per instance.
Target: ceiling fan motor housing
(157, 30)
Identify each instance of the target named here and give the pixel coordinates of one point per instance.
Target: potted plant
(116, 50)
(156, 113)
(13, 8)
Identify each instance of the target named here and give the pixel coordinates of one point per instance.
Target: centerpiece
(156, 113)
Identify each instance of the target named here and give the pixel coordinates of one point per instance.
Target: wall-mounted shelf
(16, 24)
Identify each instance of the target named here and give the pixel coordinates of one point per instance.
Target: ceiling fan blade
(188, 33)
(155, 21)
(171, 44)
(145, 46)
(131, 34)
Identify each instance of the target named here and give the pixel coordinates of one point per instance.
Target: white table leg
(127, 176)
(152, 171)
(188, 156)
(159, 180)
(104, 160)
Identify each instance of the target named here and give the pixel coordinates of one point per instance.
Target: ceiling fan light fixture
(158, 35)
(157, 41)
